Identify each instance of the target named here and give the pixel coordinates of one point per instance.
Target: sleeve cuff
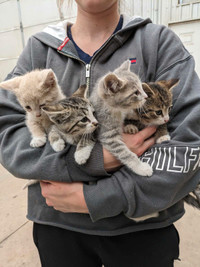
(104, 199)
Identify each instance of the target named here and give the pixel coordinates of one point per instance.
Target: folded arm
(43, 163)
(175, 163)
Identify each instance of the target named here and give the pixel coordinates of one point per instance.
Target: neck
(91, 30)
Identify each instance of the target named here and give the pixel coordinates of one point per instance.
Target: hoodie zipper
(87, 66)
(87, 75)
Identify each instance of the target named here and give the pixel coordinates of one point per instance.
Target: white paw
(58, 145)
(163, 138)
(38, 141)
(143, 218)
(80, 158)
(30, 182)
(144, 169)
(82, 155)
(130, 129)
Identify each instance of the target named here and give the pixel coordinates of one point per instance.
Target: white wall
(189, 33)
(183, 19)
(35, 16)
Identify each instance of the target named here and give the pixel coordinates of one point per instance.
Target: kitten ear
(12, 84)
(53, 109)
(112, 83)
(49, 79)
(170, 84)
(126, 65)
(56, 112)
(146, 87)
(81, 92)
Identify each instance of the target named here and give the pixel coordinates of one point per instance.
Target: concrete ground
(16, 245)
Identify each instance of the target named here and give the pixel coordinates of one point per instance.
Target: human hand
(141, 141)
(137, 143)
(65, 197)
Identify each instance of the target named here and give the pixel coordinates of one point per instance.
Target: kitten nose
(145, 95)
(95, 123)
(166, 119)
(38, 114)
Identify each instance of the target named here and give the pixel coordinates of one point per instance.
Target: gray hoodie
(157, 54)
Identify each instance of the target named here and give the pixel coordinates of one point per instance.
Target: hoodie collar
(56, 37)
(59, 30)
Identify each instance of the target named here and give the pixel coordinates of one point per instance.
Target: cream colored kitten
(34, 90)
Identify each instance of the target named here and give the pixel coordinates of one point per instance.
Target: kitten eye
(85, 119)
(137, 93)
(28, 107)
(159, 112)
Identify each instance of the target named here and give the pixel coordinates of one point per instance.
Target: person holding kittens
(81, 213)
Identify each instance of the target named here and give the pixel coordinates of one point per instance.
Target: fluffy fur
(34, 90)
(116, 94)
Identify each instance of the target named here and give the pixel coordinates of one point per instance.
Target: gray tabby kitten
(73, 121)
(116, 94)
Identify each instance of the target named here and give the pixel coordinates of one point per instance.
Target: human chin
(95, 6)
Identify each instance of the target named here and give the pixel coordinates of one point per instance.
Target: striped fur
(155, 111)
(115, 95)
(73, 122)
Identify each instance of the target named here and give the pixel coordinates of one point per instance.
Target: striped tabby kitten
(34, 90)
(115, 95)
(73, 121)
(155, 110)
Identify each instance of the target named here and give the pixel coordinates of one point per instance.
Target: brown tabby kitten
(34, 90)
(74, 122)
(116, 94)
(155, 110)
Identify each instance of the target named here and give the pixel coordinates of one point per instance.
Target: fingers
(145, 146)
(141, 141)
(146, 133)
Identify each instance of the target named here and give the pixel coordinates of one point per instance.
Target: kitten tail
(31, 182)
(192, 201)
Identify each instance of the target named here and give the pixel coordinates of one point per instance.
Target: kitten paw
(163, 138)
(130, 129)
(38, 141)
(80, 160)
(29, 183)
(143, 218)
(144, 169)
(81, 156)
(58, 145)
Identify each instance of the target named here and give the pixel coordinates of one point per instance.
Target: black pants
(62, 248)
